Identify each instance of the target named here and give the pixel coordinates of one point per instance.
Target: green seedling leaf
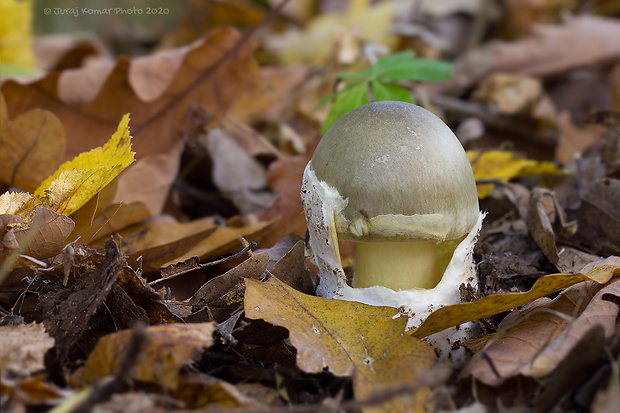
(355, 97)
(389, 69)
(453, 315)
(390, 91)
(423, 70)
(362, 75)
(337, 94)
(388, 61)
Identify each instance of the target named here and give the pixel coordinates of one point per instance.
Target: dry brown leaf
(348, 338)
(149, 180)
(137, 194)
(32, 390)
(543, 214)
(574, 140)
(198, 17)
(164, 230)
(534, 340)
(273, 99)
(227, 238)
(22, 348)
(220, 287)
(284, 177)
(237, 175)
(168, 348)
(592, 39)
(161, 230)
(521, 15)
(46, 234)
(33, 145)
(156, 89)
(153, 258)
(291, 269)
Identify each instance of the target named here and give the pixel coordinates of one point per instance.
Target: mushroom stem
(396, 265)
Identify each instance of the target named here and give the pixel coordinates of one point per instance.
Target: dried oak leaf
(453, 315)
(534, 340)
(348, 338)
(33, 145)
(157, 90)
(168, 348)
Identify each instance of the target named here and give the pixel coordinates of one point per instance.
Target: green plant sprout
(380, 79)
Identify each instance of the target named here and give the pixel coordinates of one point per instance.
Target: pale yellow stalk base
(396, 265)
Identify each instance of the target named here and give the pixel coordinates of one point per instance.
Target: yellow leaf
(504, 166)
(77, 181)
(347, 337)
(16, 33)
(454, 315)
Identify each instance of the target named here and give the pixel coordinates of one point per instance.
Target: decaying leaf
(347, 338)
(168, 348)
(534, 340)
(33, 145)
(70, 310)
(504, 166)
(453, 315)
(22, 348)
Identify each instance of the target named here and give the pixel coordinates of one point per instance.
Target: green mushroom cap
(404, 175)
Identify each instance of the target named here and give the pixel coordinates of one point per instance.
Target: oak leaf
(157, 90)
(348, 338)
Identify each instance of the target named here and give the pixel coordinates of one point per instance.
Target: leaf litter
(182, 281)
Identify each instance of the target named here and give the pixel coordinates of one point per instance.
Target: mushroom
(393, 178)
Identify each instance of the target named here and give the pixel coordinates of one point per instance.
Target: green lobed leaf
(390, 91)
(416, 69)
(355, 97)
